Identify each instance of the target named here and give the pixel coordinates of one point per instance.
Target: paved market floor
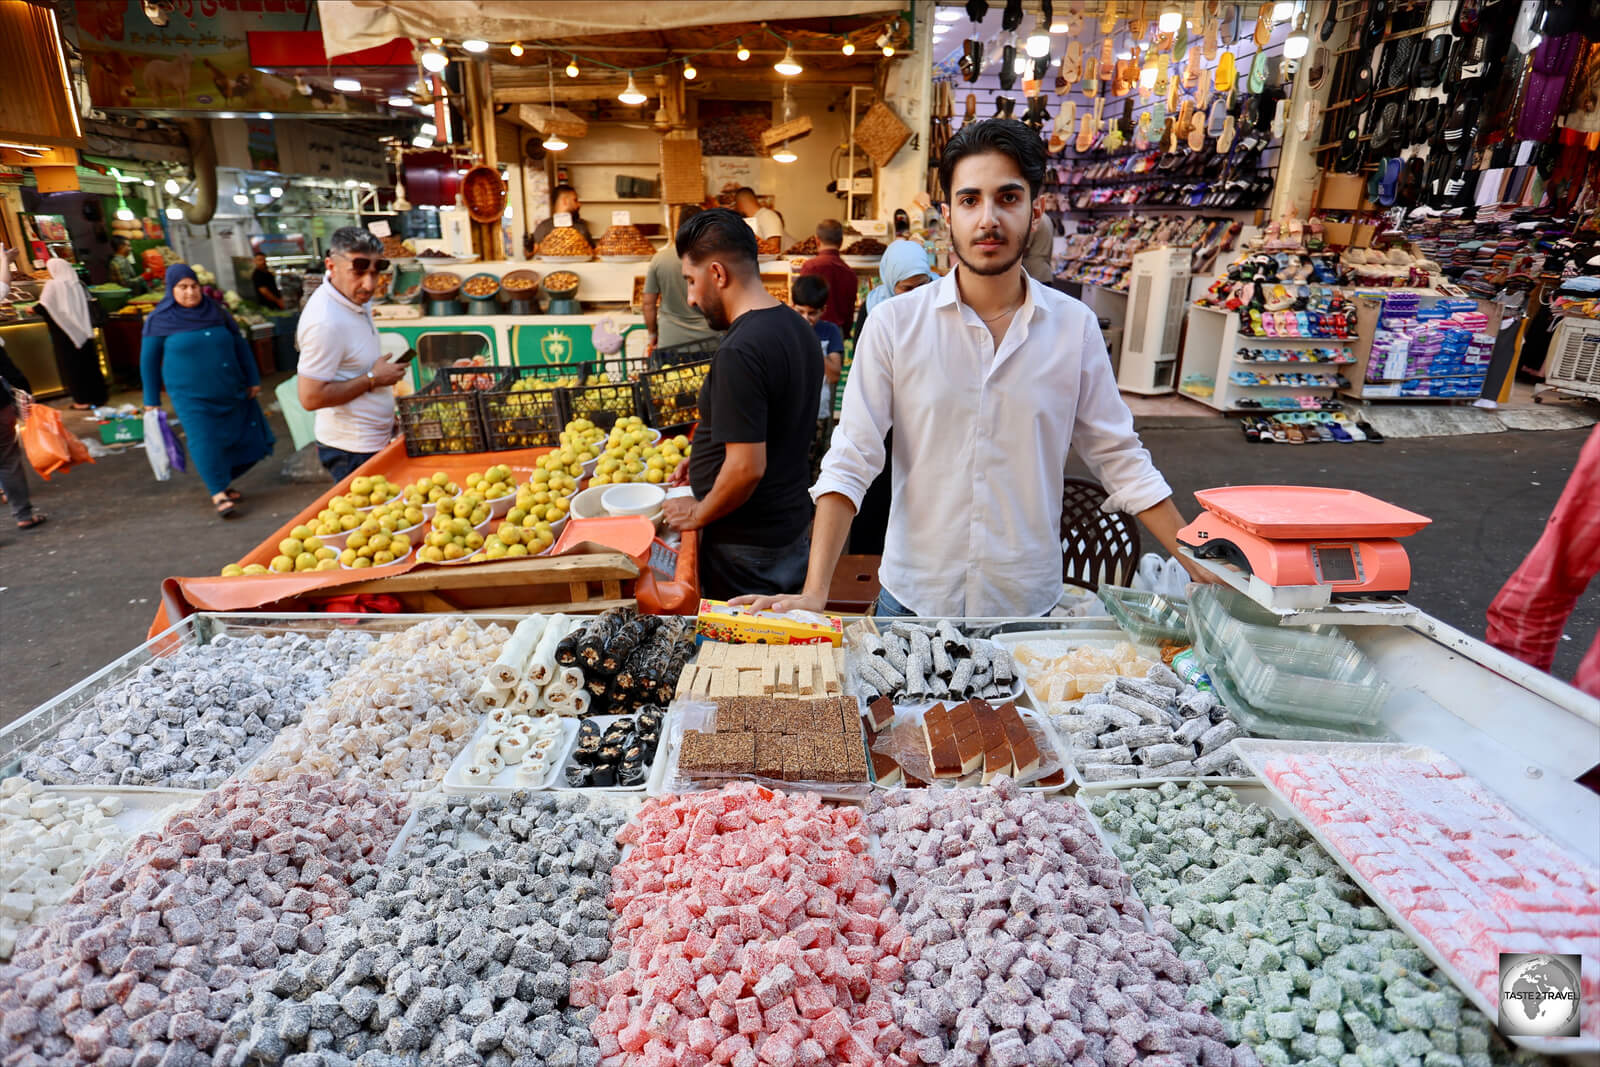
(82, 589)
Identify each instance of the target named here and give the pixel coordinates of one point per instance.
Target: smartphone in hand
(404, 357)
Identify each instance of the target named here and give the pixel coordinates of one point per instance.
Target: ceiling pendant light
(1298, 42)
(689, 71)
(888, 50)
(475, 46)
(399, 100)
(849, 48)
(125, 214)
(347, 85)
(572, 67)
(275, 191)
(172, 187)
(241, 199)
(1283, 11)
(743, 53)
(1171, 18)
(552, 142)
(788, 66)
(434, 61)
(784, 154)
(1038, 45)
(1147, 74)
(631, 95)
(516, 48)
(1059, 23)
(174, 213)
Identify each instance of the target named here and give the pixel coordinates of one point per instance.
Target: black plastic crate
(602, 403)
(672, 395)
(527, 417)
(620, 367)
(467, 379)
(437, 421)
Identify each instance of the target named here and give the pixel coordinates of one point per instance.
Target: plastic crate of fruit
(437, 421)
(522, 410)
(672, 395)
(602, 403)
(474, 378)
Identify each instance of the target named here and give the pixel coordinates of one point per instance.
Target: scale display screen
(1335, 563)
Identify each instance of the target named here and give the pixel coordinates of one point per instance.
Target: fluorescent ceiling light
(347, 85)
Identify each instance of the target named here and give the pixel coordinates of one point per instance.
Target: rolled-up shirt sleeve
(856, 455)
(1104, 435)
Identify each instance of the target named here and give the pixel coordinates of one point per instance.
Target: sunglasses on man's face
(363, 265)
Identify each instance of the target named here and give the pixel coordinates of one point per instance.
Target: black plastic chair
(1096, 546)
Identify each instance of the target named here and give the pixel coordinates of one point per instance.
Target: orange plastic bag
(49, 446)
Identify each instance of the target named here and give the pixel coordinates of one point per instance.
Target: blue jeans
(339, 462)
(887, 607)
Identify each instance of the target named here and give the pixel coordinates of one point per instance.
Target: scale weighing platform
(1299, 548)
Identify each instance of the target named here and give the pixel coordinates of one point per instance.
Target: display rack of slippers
(1137, 117)
(1275, 332)
(1188, 118)
(1465, 103)
(1101, 252)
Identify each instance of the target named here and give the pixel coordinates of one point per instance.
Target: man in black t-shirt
(758, 412)
(265, 283)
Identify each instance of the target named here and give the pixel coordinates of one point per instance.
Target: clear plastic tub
(1320, 678)
(1149, 618)
(1261, 723)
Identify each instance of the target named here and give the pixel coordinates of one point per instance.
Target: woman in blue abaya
(194, 350)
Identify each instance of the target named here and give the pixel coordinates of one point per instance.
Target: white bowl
(632, 498)
(586, 504)
(381, 566)
(500, 505)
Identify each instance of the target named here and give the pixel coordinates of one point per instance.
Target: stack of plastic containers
(1307, 684)
(1149, 618)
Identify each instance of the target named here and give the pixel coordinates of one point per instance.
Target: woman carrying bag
(64, 305)
(193, 349)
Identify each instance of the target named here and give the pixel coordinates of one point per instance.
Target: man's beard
(716, 314)
(960, 250)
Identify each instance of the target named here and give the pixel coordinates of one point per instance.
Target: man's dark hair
(555, 194)
(717, 232)
(1006, 136)
(119, 242)
(810, 290)
(830, 232)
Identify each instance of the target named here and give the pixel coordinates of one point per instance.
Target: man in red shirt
(1528, 616)
(827, 264)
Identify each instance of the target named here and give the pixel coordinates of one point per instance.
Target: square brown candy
(772, 751)
(719, 753)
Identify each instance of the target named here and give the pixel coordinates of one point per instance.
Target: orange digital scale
(1302, 547)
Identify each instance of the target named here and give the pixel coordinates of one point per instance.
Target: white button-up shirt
(338, 342)
(981, 436)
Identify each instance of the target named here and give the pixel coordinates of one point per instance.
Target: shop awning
(351, 25)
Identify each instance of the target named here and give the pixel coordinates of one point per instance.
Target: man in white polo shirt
(343, 375)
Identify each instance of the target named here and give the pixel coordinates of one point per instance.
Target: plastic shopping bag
(49, 446)
(175, 454)
(155, 446)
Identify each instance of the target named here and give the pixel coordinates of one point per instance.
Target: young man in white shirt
(343, 375)
(768, 223)
(987, 378)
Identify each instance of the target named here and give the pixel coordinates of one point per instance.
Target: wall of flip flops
(1201, 131)
(1454, 103)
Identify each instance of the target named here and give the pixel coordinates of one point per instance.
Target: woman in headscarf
(194, 350)
(902, 268)
(64, 305)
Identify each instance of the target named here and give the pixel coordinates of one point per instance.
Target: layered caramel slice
(1024, 753)
(943, 756)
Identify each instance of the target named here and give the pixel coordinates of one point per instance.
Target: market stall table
(649, 572)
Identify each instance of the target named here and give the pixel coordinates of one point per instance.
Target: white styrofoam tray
(1044, 735)
(505, 781)
(469, 841)
(1256, 752)
(604, 721)
(684, 715)
(1059, 643)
